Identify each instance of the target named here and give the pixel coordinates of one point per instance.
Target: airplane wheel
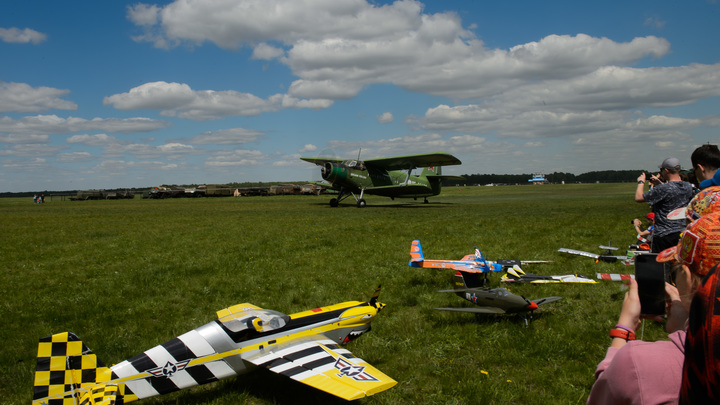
(334, 202)
(361, 203)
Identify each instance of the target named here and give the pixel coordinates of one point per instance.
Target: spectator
(637, 372)
(668, 193)
(644, 235)
(706, 161)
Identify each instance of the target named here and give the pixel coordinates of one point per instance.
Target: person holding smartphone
(638, 372)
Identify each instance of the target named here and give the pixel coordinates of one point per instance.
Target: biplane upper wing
(413, 161)
(323, 364)
(321, 161)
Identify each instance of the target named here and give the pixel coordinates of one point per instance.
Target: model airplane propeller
(304, 346)
(387, 177)
(491, 300)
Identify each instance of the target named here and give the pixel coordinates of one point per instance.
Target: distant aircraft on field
(387, 177)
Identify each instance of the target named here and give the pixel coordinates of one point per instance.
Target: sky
(113, 94)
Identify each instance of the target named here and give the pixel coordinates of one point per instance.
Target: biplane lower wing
(324, 365)
(401, 190)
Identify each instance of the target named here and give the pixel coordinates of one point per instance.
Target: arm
(637, 224)
(630, 313)
(640, 188)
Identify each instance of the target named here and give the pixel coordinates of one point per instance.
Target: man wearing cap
(668, 193)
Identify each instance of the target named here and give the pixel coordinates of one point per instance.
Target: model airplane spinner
(472, 263)
(387, 177)
(491, 300)
(303, 346)
(516, 275)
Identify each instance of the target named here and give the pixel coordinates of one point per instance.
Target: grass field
(127, 275)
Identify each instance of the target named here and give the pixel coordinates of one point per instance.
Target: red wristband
(622, 334)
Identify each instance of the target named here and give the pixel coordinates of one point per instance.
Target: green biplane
(388, 177)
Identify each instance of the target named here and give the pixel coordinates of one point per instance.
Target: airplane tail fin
(68, 372)
(416, 253)
(463, 280)
(432, 171)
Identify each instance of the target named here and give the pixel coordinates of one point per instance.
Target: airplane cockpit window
(258, 321)
(354, 164)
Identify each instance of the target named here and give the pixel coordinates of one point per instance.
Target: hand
(637, 222)
(630, 313)
(677, 314)
(641, 177)
(655, 180)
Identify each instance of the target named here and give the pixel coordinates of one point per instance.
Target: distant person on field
(644, 235)
(668, 193)
(706, 161)
(638, 372)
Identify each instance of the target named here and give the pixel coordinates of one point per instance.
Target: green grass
(127, 275)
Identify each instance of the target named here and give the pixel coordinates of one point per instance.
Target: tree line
(603, 176)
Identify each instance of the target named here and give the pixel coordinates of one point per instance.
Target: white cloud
(236, 158)
(308, 148)
(22, 98)
(24, 36)
(30, 150)
(117, 167)
(338, 47)
(74, 157)
(179, 100)
(265, 51)
(27, 138)
(232, 136)
(52, 124)
(92, 140)
(385, 118)
(172, 150)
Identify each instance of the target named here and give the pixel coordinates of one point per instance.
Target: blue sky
(107, 94)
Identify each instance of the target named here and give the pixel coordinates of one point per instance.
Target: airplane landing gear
(361, 203)
(334, 202)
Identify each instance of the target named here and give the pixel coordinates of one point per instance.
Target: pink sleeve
(616, 379)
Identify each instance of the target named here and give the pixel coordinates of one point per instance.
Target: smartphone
(650, 277)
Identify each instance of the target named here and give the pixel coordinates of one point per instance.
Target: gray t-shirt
(664, 198)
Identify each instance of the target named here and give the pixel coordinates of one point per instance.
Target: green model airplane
(388, 177)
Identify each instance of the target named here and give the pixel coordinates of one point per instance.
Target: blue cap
(713, 181)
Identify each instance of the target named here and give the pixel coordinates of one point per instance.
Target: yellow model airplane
(304, 346)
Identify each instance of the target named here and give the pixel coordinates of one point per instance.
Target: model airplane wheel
(334, 202)
(361, 203)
